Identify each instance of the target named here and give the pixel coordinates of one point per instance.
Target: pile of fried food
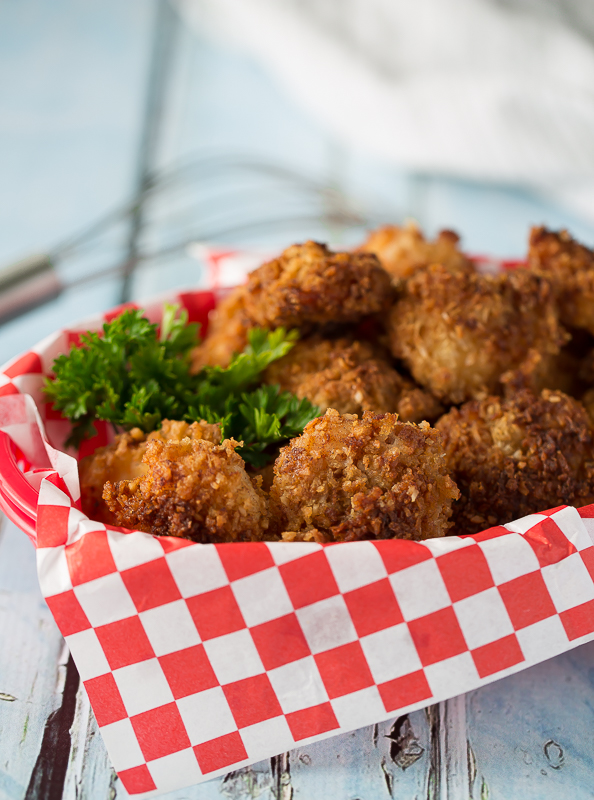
(454, 400)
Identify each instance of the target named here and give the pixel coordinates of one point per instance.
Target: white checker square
(122, 745)
(298, 685)
(326, 624)
(420, 590)
(234, 657)
(206, 715)
(355, 564)
(170, 627)
(262, 597)
(359, 708)
(452, 677)
(391, 653)
(133, 549)
(524, 523)
(52, 568)
(105, 600)
(446, 544)
(50, 495)
(569, 582)
(88, 654)
(509, 557)
(177, 769)
(261, 738)
(143, 686)
(483, 618)
(543, 640)
(197, 569)
(283, 552)
(588, 524)
(79, 524)
(570, 522)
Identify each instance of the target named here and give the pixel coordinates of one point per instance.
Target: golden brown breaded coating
(517, 456)
(122, 460)
(228, 328)
(403, 251)
(588, 403)
(347, 478)
(545, 371)
(459, 331)
(308, 284)
(569, 266)
(352, 377)
(194, 489)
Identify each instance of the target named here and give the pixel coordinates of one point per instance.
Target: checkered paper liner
(199, 659)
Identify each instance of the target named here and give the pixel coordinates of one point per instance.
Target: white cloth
(499, 90)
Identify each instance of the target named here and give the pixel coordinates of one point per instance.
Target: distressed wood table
(527, 737)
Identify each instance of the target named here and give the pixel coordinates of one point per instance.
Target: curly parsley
(135, 375)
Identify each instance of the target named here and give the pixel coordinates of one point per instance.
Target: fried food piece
(347, 478)
(228, 328)
(194, 489)
(403, 251)
(122, 460)
(352, 377)
(308, 284)
(517, 456)
(545, 371)
(459, 331)
(569, 266)
(588, 403)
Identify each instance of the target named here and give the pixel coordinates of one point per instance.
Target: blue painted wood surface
(72, 84)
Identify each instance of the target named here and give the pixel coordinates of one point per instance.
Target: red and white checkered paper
(199, 659)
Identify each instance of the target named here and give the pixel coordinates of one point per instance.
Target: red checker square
(100, 439)
(8, 388)
(344, 670)
(160, 731)
(549, 542)
(308, 579)
(588, 559)
(489, 533)
(52, 525)
(219, 753)
(137, 780)
(404, 691)
(280, 641)
(252, 700)
(578, 621)
(171, 543)
(216, 613)
(90, 558)
(437, 636)
(465, 572)
(527, 600)
(53, 413)
(244, 558)
(106, 700)
(116, 312)
(68, 613)
(373, 607)
(151, 584)
(312, 721)
(498, 655)
(587, 512)
(188, 671)
(28, 364)
(74, 338)
(550, 511)
(124, 642)
(398, 554)
(198, 305)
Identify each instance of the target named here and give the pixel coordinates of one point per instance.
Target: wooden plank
(32, 663)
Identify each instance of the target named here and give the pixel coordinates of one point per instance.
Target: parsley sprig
(135, 375)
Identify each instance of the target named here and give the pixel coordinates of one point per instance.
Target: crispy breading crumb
(458, 332)
(404, 250)
(122, 460)
(350, 376)
(194, 489)
(227, 334)
(347, 478)
(308, 284)
(569, 266)
(516, 456)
